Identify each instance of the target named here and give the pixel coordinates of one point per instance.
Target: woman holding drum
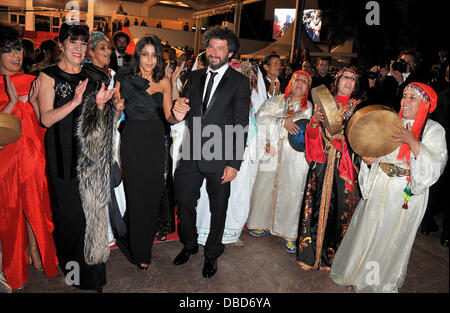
(331, 192)
(374, 253)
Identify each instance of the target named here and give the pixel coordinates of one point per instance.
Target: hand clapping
(103, 96)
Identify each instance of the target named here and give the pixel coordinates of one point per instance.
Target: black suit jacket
(283, 84)
(389, 92)
(113, 63)
(228, 108)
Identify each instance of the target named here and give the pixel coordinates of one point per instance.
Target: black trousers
(188, 181)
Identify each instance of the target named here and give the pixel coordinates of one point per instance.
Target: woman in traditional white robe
(278, 190)
(374, 253)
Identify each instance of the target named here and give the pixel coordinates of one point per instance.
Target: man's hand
(180, 108)
(375, 68)
(229, 174)
(396, 74)
(290, 126)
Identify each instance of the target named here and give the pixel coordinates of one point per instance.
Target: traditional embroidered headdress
(427, 105)
(288, 89)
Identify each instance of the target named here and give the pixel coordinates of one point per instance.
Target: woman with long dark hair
(80, 119)
(146, 96)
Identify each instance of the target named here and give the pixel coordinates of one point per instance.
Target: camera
(373, 75)
(400, 66)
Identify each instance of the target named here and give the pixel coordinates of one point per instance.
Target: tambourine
(324, 99)
(369, 130)
(10, 129)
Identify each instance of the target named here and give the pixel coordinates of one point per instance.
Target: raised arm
(46, 97)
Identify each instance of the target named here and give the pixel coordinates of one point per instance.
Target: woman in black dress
(80, 119)
(146, 95)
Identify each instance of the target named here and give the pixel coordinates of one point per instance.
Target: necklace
(346, 110)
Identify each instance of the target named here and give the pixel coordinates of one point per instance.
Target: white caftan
(280, 182)
(374, 253)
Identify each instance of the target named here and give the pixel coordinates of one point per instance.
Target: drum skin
(332, 119)
(10, 129)
(369, 131)
(297, 141)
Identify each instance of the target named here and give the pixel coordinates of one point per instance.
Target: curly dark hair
(158, 71)
(73, 32)
(9, 35)
(119, 34)
(223, 33)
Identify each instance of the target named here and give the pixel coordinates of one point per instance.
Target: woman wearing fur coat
(80, 118)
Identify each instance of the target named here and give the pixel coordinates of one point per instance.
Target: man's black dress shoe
(184, 255)
(428, 230)
(444, 242)
(210, 267)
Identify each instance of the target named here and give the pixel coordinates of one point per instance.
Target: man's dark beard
(215, 67)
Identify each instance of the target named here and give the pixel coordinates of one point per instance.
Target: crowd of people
(118, 148)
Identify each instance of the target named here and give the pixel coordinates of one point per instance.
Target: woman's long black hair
(158, 71)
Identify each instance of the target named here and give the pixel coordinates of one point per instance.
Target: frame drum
(325, 101)
(297, 141)
(10, 129)
(369, 130)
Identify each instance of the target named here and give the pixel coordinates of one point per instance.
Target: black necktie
(208, 90)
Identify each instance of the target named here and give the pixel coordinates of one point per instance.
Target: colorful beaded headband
(346, 69)
(420, 91)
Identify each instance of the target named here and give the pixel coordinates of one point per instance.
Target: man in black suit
(275, 84)
(119, 57)
(323, 76)
(215, 103)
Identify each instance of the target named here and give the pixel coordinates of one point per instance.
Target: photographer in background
(389, 90)
(436, 76)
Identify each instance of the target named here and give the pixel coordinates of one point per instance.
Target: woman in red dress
(25, 217)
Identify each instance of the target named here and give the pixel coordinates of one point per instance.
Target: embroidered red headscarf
(427, 105)
(288, 90)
